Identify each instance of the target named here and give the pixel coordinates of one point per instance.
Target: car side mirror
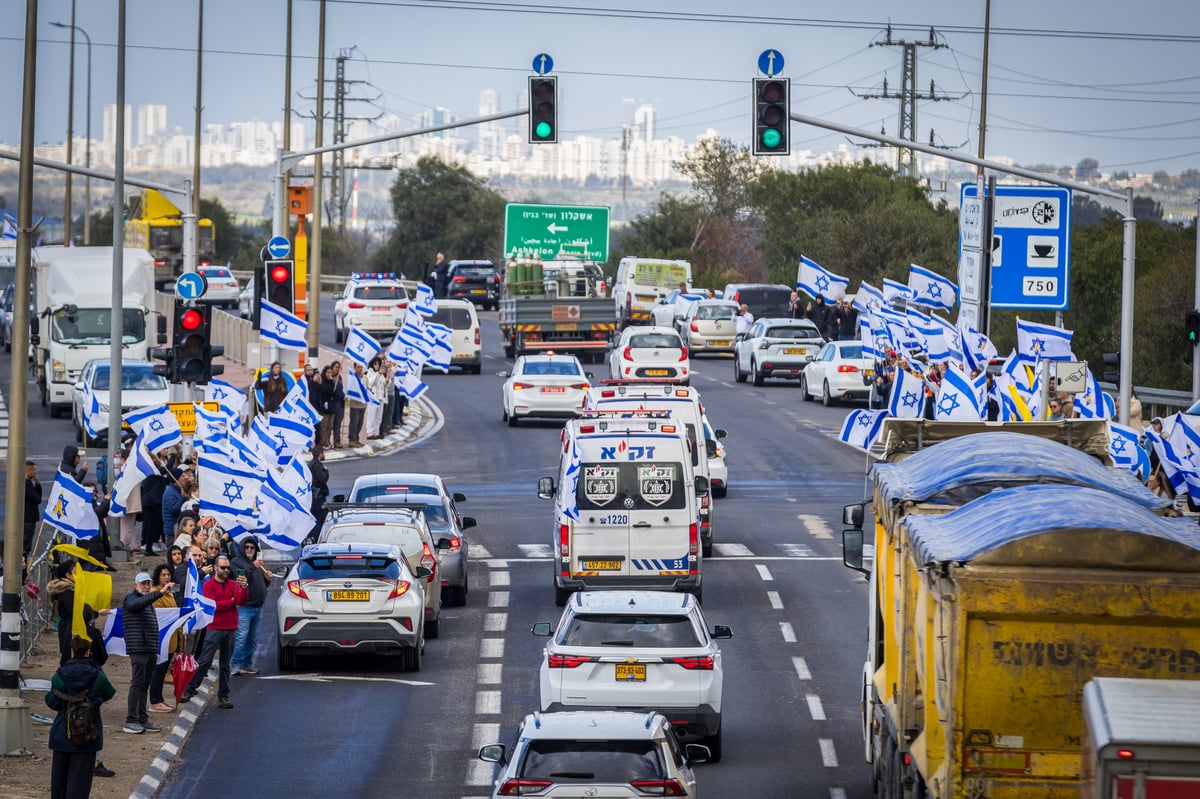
(722, 631)
(710, 447)
(33, 327)
(338, 498)
(701, 486)
(721, 434)
(852, 550)
(697, 753)
(852, 515)
(542, 628)
(493, 753)
(590, 375)
(161, 329)
(443, 543)
(422, 572)
(458, 496)
(503, 374)
(739, 337)
(468, 522)
(337, 295)
(545, 488)
(79, 386)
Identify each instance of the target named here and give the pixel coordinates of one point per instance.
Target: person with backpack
(76, 692)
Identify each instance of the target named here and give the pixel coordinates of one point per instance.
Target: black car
(477, 281)
(763, 299)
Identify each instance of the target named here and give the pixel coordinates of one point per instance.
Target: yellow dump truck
(1010, 569)
(154, 223)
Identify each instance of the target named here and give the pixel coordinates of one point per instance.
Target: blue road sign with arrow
(770, 62)
(190, 286)
(542, 64)
(279, 247)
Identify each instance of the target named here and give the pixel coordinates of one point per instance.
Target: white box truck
(74, 308)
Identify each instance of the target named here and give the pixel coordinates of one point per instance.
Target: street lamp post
(87, 192)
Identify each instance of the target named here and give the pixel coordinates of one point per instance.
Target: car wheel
(285, 657)
(804, 395)
(416, 654)
(826, 398)
(512, 420)
(755, 376)
(433, 629)
(458, 594)
(706, 549)
(503, 414)
(737, 371)
(713, 742)
(561, 595)
(57, 412)
(720, 491)
(699, 594)
(338, 336)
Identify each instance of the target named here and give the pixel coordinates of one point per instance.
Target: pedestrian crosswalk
(779, 550)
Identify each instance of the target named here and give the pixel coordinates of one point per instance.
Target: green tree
(230, 237)
(440, 207)
(723, 175)
(102, 228)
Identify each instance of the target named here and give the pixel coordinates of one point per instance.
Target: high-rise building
(151, 124)
(490, 134)
(110, 125)
(435, 116)
(643, 124)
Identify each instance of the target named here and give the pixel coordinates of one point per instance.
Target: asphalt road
(352, 727)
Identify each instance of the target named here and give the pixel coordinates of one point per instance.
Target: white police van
(626, 510)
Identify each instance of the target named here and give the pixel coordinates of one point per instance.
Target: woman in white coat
(377, 384)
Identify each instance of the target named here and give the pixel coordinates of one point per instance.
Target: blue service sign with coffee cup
(1030, 245)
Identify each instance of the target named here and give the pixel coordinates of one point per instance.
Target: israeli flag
(958, 398)
(296, 480)
(195, 602)
(867, 299)
(10, 227)
(410, 384)
(262, 441)
(136, 468)
(291, 436)
(566, 501)
(285, 521)
(285, 329)
(1043, 342)
(357, 390)
(815, 280)
(1090, 403)
(226, 395)
(908, 396)
(240, 448)
(977, 349)
(228, 490)
(92, 409)
(930, 288)
(360, 347)
(862, 427)
(894, 290)
(1126, 451)
(69, 508)
(424, 303)
(296, 404)
(156, 426)
(441, 356)
(212, 429)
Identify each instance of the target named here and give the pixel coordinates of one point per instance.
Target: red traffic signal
(281, 284)
(191, 319)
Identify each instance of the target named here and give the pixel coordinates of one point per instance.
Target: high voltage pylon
(906, 159)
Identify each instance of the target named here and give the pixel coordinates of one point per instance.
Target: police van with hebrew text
(626, 505)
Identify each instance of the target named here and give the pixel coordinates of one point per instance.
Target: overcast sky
(1107, 79)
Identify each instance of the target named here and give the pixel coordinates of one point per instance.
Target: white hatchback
(649, 353)
(840, 372)
(223, 290)
(140, 388)
(375, 304)
(637, 650)
(549, 385)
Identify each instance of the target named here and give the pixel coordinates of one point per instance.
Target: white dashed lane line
(801, 666)
(789, 635)
(491, 648)
(498, 599)
(764, 573)
(815, 708)
(489, 673)
(773, 598)
(828, 753)
(816, 526)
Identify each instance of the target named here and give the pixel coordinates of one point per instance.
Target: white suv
(375, 302)
(595, 754)
(637, 650)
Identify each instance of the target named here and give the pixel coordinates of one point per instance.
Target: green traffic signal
(771, 138)
(543, 130)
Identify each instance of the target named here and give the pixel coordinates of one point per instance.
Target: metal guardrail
(1156, 401)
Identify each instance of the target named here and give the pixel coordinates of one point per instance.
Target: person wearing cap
(141, 645)
(249, 562)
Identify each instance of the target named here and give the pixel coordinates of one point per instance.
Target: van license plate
(657, 373)
(347, 596)
(601, 565)
(631, 672)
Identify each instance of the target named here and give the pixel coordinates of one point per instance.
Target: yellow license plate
(657, 373)
(566, 326)
(601, 565)
(719, 342)
(479, 291)
(631, 672)
(347, 596)
(794, 351)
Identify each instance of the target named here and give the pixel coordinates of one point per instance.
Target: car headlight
(58, 371)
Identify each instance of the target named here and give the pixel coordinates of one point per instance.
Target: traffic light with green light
(772, 120)
(543, 109)
(1191, 326)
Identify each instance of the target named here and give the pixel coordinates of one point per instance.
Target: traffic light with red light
(543, 109)
(280, 284)
(772, 120)
(192, 350)
(1191, 326)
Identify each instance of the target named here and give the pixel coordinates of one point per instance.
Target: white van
(683, 404)
(460, 317)
(626, 505)
(641, 282)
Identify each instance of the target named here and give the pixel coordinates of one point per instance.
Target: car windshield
(660, 274)
(765, 300)
(850, 350)
(631, 486)
(347, 566)
(651, 340)
(632, 630)
(453, 318)
(791, 333)
(380, 293)
(93, 326)
(395, 493)
(591, 761)
(395, 535)
(714, 312)
(569, 368)
(475, 272)
(133, 378)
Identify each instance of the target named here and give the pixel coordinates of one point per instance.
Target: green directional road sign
(547, 229)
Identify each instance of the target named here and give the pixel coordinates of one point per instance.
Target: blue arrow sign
(191, 286)
(770, 62)
(279, 247)
(542, 64)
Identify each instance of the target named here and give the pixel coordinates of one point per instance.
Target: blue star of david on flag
(910, 399)
(283, 327)
(814, 279)
(930, 288)
(823, 283)
(233, 491)
(948, 404)
(1047, 342)
(864, 421)
(61, 507)
(861, 427)
(219, 393)
(1118, 446)
(69, 508)
(935, 291)
(1038, 346)
(156, 425)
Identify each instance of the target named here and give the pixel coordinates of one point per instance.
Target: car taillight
(458, 279)
(455, 544)
(495, 279)
(683, 353)
(429, 562)
(580, 386)
(524, 787)
(705, 502)
(517, 386)
(400, 588)
(476, 337)
(564, 541)
(297, 588)
(704, 663)
(658, 787)
(356, 305)
(695, 326)
(693, 539)
(566, 661)
(628, 300)
(627, 355)
(847, 367)
(402, 305)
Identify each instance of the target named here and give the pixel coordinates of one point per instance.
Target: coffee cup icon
(1043, 250)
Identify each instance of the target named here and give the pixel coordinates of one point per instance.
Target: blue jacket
(76, 676)
(172, 504)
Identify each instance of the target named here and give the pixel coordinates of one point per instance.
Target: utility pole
(906, 158)
(624, 172)
(70, 126)
(314, 241)
(199, 109)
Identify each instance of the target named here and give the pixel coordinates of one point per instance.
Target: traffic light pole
(1122, 202)
(1196, 304)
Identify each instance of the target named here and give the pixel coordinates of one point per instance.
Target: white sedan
(649, 353)
(671, 308)
(839, 372)
(547, 385)
(140, 387)
(223, 290)
(626, 650)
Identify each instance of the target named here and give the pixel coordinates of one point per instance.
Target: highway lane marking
(491, 648)
(498, 599)
(489, 673)
(837, 793)
(785, 629)
(815, 708)
(733, 550)
(497, 579)
(773, 598)
(480, 551)
(817, 527)
(801, 667)
(487, 703)
(495, 622)
(764, 573)
(535, 550)
(315, 677)
(796, 550)
(510, 561)
(483, 734)
(479, 772)
(828, 753)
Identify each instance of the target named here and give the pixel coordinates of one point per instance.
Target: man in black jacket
(141, 644)
(248, 561)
